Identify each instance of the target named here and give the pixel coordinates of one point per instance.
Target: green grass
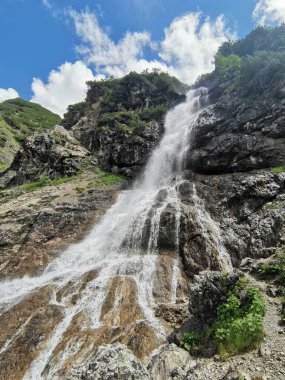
(278, 169)
(189, 340)
(18, 120)
(106, 179)
(44, 181)
(25, 118)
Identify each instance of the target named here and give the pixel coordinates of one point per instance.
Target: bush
(239, 324)
(189, 340)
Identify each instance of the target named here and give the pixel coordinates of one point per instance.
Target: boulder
(110, 361)
(168, 363)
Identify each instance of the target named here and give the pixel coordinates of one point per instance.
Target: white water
(114, 246)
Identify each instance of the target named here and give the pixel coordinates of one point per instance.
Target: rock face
(119, 151)
(110, 362)
(122, 120)
(233, 137)
(36, 225)
(52, 154)
(207, 292)
(243, 129)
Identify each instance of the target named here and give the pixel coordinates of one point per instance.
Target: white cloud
(108, 57)
(186, 51)
(10, 93)
(269, 12)
(189, 45)
(65, 86)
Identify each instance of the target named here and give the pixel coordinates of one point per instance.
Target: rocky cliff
(224, 248)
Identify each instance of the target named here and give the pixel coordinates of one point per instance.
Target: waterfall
(115, 245)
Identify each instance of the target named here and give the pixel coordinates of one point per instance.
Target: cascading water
(115, 246)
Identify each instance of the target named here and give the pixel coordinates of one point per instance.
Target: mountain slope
(18, 120)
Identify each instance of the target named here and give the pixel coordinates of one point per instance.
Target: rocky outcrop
(53, 154)
(120, 151)
(122, 120)
(169, 363)
(110, 362)
(37, 225)
(208, 291)
(242, 129)
(225, 218)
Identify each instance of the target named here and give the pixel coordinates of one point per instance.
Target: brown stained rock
(141, 338)
(163, 278)
(78, 342)
(27, 328)
(73, 289)
(120, 308)
(37, 226)
(173, 315)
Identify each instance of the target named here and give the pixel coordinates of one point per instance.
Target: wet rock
(110, 362)
(168, 363)
(36, 226)
(24, 331)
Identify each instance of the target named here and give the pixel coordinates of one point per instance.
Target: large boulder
(109, 362)
(168, 363)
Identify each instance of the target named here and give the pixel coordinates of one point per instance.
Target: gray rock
(53, 154)
(168, 363)
(109, 362)
(230, 137)
(208, 291)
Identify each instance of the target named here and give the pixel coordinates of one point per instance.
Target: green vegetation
(237, 327)
(251, 66)
(45, 181)
(239, 324)
(189, 340)
(273, 272)
(261, 38)
(25, 118)
(109, 179)
(18, 120)
(278, 169)
(73, 114)
(136, 92)
(128, 104)
(125, 121)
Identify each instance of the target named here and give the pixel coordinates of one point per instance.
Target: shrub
(239, 324)
(189, 340)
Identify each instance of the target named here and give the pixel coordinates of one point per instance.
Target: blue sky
(49, 48)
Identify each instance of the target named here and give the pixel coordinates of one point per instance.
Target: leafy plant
(189, 340)
(239, 323)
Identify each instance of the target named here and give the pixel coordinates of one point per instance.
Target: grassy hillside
(18, 120)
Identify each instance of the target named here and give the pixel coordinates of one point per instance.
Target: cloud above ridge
(9, 93)
(187, 49)
(269, 12)
(65, 86)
